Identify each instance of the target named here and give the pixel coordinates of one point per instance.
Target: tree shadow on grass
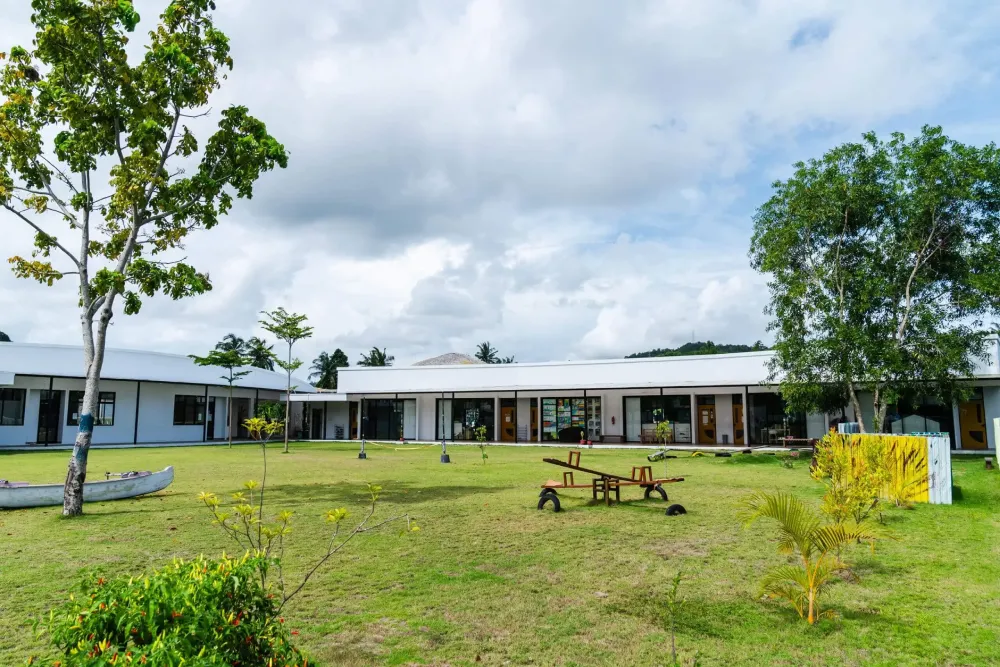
(714, 618)
(393, 492)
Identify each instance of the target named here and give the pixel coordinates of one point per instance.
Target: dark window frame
(192, 408)
(102, 402)
(5, 396)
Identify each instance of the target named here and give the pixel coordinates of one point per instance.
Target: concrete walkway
(410, 444)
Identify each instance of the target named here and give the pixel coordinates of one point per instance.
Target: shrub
(199, 612)
(813, 544)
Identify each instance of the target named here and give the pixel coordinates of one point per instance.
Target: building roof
(741, 369)
(449, 359)
(67, 361)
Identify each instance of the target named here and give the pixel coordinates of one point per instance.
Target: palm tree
(231, 343)
(507, 360)
(376, 357)
(261, 354)
(325, 368)
(487, 354)
(815, 544)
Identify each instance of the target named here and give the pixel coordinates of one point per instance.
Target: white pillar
(956, 424)
(746, 417)
(416, 418)
(538, 411)
(496, 418)
(694, 420)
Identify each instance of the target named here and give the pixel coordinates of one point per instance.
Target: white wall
(991, 406)
(724, 417)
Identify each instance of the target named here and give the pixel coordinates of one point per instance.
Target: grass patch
(491, 580)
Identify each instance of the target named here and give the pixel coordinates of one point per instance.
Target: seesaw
(605, 484)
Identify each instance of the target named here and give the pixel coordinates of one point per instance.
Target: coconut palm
(325, 367)
(376, 357)
(815, 544)
(231, 343)
(261, 354)
(487, 354)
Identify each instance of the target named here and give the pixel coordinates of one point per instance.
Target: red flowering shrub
(201, 612)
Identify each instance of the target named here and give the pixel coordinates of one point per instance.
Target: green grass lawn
(489, 579)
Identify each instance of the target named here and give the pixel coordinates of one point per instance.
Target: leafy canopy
(87, 140)
(324, 368)
(882, 258)
(376, 357)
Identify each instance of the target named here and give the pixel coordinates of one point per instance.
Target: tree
(260, 354)
(486, 353)
(507, 360)
(882, 259)
(376, 357)
(232, 342)
(287, 327)
(4, 338)
(325, 368)
(92, 142)
(230, 360)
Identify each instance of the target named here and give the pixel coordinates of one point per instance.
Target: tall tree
(232, 342)
(486, 353)
(325, 366)
(261, 354)
(376, 357)
(883, 263)
(230, 360)
(287, 327)
(4, 338)
(91, 142)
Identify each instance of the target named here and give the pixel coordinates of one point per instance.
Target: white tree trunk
(93, 355)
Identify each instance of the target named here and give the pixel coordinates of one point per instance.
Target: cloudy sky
(564, 178)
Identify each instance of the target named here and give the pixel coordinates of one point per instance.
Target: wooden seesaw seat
(604, 483)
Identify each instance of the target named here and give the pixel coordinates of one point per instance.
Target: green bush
(199, 613)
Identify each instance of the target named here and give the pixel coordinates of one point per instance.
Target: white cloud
(567, 179)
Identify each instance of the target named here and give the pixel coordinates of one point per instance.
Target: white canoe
(43, 495)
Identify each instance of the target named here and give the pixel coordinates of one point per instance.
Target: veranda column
(746, 416)
(694, 420)
(538, 418)
(496, 418)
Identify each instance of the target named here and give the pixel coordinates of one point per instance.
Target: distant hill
(699, 347)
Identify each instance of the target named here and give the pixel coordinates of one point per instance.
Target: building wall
(724, 418)
(156, 411)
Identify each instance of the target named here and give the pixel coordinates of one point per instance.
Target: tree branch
(42, 231)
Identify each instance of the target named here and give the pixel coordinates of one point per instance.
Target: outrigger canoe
(15, 495)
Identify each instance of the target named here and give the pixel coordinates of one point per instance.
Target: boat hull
(47, 495)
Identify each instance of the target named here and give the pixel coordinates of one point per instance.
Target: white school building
(151, 397)
(710, 400)
(145, 397)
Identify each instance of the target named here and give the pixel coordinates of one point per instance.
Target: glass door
(48, 417)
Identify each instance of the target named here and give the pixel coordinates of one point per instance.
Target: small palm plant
(815, 544)
(481, 437)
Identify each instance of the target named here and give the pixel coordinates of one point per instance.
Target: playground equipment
(605, 484)
(362, 455)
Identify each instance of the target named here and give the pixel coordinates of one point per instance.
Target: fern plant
(815, 544)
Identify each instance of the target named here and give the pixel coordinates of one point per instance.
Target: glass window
(920, 415)
(105, 409)
(648, 411)
(12, 407)
(571, 419)
(769, 422)
(468, 414)
(189, 410)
